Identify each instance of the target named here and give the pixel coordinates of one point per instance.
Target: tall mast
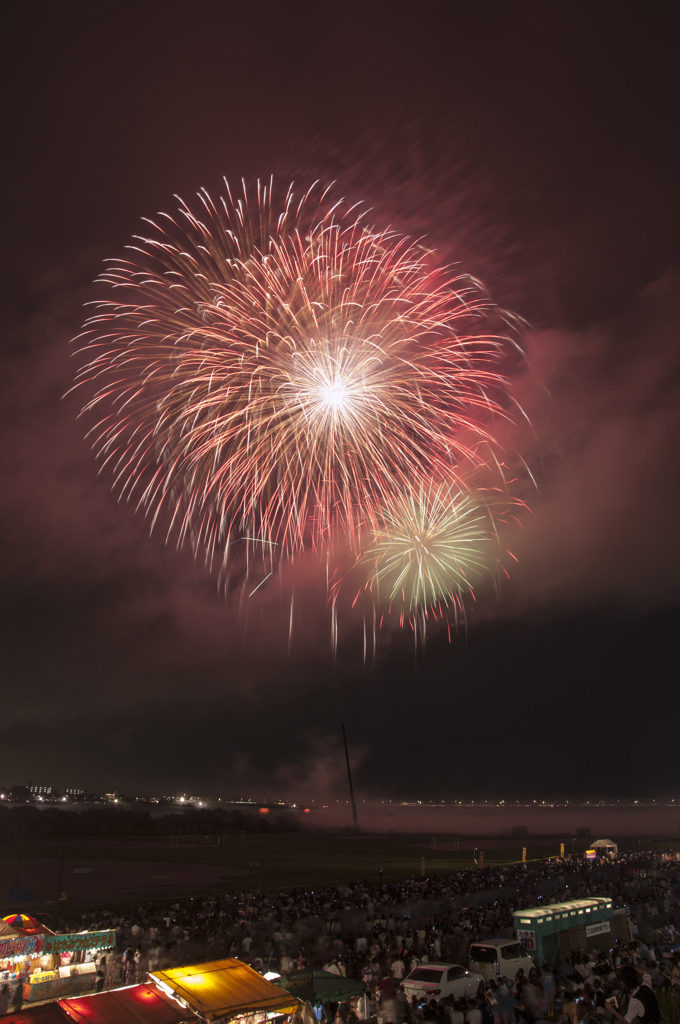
(355, 819)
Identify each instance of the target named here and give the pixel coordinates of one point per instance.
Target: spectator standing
(18, 998)
(5, 1000)
(474, 1014)
(548, 983)
(101, 974)
(456, 1015)
(643, 1007)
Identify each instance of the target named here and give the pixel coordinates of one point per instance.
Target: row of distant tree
(32, 822)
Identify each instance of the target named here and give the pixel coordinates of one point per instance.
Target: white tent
(605, 847)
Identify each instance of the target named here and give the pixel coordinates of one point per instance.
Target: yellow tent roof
(224, 989)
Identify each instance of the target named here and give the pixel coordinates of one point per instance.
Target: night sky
(535, 144)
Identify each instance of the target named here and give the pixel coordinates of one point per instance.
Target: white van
(497, 958)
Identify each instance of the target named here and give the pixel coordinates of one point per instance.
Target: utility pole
(355, 819)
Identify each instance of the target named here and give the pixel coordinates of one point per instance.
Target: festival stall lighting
(225, 989)
(70, 959)
(129, 1005)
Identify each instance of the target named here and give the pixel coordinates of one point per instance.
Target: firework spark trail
(282, 371)
(430, 548)
(425, 557)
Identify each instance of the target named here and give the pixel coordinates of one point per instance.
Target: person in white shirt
(456, 1015)
(474, 1014)
(398, 969)
(642, 1005)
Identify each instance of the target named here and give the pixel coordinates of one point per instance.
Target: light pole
(355, 819)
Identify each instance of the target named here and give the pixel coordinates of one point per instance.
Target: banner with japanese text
(74, 943)
(30, 946)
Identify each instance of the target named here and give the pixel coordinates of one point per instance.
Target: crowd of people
(378, 931)
(620, 986)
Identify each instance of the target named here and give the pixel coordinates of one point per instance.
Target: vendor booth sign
(21, 947)
(79, 941)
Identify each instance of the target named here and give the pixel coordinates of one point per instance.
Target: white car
(437, 981)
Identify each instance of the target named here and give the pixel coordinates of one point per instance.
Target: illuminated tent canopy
(48, 1013)
(605, 846)
(25, 923)
(138, 1004)
(222, 989)
(318, 987)
(22, 925)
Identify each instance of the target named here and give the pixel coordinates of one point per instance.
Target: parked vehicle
(436, 981)
(499, 958)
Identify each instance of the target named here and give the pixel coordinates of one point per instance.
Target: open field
(121, 870)
(92, 880)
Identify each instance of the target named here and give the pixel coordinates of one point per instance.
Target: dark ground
(131, 870)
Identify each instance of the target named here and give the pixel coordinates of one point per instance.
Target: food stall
(21, 939)
(320, 988)
(62, 965)
(135, 1004)
(226, 990)
(45, 1013)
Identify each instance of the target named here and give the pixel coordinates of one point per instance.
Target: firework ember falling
(430, 549)
(279, 372)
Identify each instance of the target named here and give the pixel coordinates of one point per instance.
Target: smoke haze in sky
(532, 147)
